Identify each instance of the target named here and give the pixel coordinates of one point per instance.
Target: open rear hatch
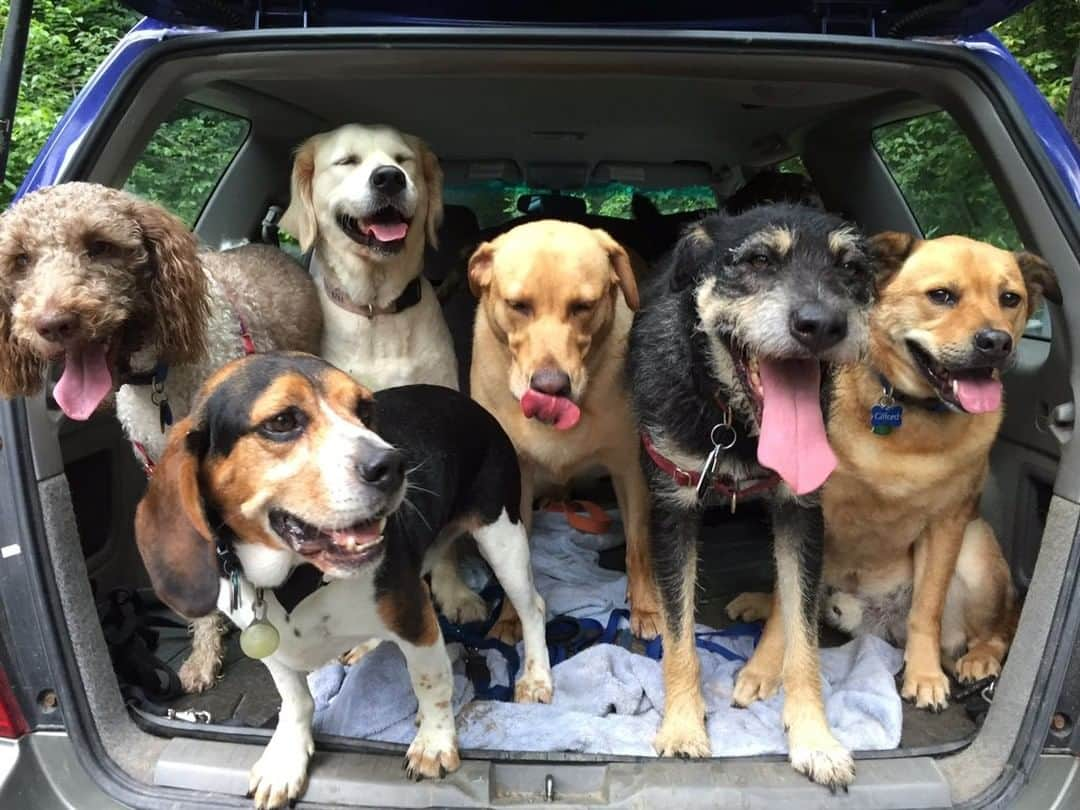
(893, 18)
(210, 757)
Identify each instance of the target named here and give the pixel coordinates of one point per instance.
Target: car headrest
(555, 206)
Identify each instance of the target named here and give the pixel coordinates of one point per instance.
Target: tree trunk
(1072, 111)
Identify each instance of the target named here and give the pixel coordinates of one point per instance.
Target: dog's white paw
(829, 764)
(750, 606)
(198, 673)
(432, 755)
(753, 684)
(928, 689)
(280, 775)
(682, 736)
(354, 655)
(459, 603)
(535, 686)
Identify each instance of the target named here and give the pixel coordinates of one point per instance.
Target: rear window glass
(947, 187)
(495, 202)
(186, 157)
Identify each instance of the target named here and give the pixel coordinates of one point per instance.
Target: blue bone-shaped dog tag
(884, 419)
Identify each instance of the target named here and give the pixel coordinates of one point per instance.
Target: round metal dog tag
(259, 639)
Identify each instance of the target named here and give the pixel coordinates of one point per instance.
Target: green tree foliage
(943, 179)
(186, 157)
(67, 42)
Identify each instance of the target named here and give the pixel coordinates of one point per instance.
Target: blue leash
(473, 637)
(566, 636)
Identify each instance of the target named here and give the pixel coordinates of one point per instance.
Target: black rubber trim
(1067, 612)
(164, 727)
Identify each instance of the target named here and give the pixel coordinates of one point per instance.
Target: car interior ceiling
(549, 133)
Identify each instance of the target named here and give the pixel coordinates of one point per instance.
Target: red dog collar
(724, 484)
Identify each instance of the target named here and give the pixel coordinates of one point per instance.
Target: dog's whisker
(419, 514)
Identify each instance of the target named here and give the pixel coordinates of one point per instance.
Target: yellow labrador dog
(368, 199)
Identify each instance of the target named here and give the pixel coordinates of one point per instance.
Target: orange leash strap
(585, 516)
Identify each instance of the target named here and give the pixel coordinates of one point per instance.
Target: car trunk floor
(734, 556)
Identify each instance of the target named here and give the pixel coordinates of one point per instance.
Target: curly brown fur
(126, 269)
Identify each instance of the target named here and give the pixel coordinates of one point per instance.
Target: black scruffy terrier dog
(726, 367)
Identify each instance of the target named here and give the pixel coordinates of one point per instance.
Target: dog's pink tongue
(981, 395)
(558, 411)
(85, 382)
(792, 440)
(388, 232)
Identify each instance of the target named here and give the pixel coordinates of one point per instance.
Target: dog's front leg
(507, 627)
(936, 551)
(433, 752)
(505, 545)
(200, 671)
(798, 539)
(673, 535)
(280, 774)
(632, 495)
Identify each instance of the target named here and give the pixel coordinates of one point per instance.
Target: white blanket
(607, 699)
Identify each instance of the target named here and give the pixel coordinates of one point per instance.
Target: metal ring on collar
(733, 436)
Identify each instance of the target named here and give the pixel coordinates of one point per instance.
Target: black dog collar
(409, 297)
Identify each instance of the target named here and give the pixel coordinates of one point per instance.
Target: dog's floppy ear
(171, 531)
(1039, 278)
(888, 251)
(433, 182)
(22, 372)
(178, 285)
(622, 273)
(480, 268)
(299, 218)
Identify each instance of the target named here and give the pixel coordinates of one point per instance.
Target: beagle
(287, 471)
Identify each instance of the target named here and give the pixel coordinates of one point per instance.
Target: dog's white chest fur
(406, 348)
(332, 619)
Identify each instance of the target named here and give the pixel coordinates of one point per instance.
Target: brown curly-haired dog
(117, 290)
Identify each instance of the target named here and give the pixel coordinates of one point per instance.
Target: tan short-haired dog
(549, 347)
(907, 556)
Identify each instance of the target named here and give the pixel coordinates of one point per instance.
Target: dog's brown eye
(1010, 300)
(365, 411)
(98, 248)
(520, 307)
(944, 298)
(581, 307)
(759, 261)
(287, 424)
(22, 260)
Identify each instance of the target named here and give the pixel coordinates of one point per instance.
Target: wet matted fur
(738, 295)
(122, 273)
(906, 555)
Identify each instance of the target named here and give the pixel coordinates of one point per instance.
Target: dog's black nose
(993, 344)
(57, 327)
(551, 381)
(817, 327)
(388, 179)
(383, 469)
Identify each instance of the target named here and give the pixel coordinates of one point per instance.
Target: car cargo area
(638, 137)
